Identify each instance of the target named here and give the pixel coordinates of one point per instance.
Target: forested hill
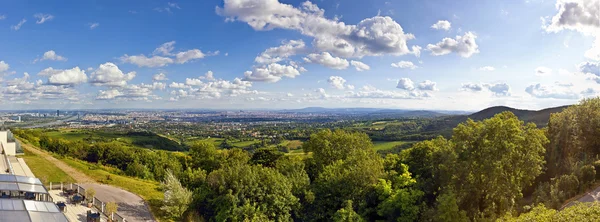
(444, 125)
(539, 117)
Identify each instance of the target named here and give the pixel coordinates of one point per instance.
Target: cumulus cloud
(163, 56)
(327, 60)
(487, 68)
(4, 67)
(404, 65)
(427, 86)
(465, 46)
(208, 75)
(165, 49)
(498, 89)
(271, 73)
(193, 54)
(337, 82)
(406, 84)
(18, 25)
(543, 71)
(371, 92)
(159, 77)
(143, 61)
(109, 74)
(578, 15)
(67, 77)
(51, 55)
(360, 66)
(370, 37)
(441, 24)
(551, 91)
(41, 18)
(591, 70)
(280, 53)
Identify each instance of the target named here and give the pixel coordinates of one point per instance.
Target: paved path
(131, 206)
(592, 196)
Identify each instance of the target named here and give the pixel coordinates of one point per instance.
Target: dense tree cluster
(483, 172)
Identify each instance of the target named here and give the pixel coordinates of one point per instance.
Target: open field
(386, 145)
(45, 170)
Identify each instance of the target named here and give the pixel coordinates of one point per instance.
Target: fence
(96, 203)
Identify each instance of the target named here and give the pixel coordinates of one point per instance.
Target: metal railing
(96, 203)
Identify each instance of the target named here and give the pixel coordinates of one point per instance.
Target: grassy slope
(148, 190)
(45, 170)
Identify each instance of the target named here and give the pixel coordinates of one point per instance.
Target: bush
(567, 184)
(597, 168)
(586, 175)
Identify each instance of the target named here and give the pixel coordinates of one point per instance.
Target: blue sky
(237, 54)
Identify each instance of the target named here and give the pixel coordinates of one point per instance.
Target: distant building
(57, 113)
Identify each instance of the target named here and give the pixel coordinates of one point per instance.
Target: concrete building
(8, 144)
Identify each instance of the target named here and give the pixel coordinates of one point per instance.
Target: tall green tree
(496, 159)
(177, 198)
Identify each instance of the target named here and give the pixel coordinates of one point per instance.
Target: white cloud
(2, 16)
(208, 76)
(416, 50)
(337, 82)
(109, 74)
(94, 25)
(465, 46)
(441, 24)
(51, 55)
(487, 68)
(406, 84)
(18, 25)
(543, 71)
(68, 77)
(159, 77)
(271, 73)
(4, 67)
(404, 65)
(327, 60)
(498, 89)
(108, 94)
(192, 54)
(143, 61)
(280, 53)
(360, 66)
(43, 18)
(427, 86)
(178, 85)
(165, 49)
(370, 37)
(170, 5)
(551, 91)
(370, 92)
(193, 82)
(579, 15)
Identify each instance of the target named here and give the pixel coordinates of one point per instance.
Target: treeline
(487, 170)
(132, 161)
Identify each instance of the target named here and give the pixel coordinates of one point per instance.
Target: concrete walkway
(20, 167)
(75, 212)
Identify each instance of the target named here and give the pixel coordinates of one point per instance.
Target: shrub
(586, 175)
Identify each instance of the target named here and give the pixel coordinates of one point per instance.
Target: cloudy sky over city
(278, 54)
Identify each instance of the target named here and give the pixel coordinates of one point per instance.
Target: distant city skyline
(275, 54)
